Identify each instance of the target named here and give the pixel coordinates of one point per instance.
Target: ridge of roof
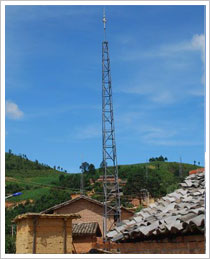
(57, 206)
(60, 205)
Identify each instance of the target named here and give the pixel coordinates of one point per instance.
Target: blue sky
(53, 82)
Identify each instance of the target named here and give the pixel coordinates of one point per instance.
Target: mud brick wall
(49, 236)
(24, 237)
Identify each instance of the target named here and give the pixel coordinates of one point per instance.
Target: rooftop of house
(198, 170)
(86, 229)
(182, 211)
(48, 216)
(81, 197)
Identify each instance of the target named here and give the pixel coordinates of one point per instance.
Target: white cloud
(174, 143)
(198, 43)
(197, 92)
(129, 117)
(13, 111)
(165, 136)
(88, 132)
(164, 88)
(163, 97)
(154, 133)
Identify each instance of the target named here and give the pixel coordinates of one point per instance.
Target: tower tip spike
(104, 21)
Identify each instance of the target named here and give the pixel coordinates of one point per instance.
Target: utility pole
(146, 169)
(81, 184)
(82, 178)
(110, 179)
(180, 167)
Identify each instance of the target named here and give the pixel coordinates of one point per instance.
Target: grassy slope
(35, 180)
(172, 167)
(31, 178)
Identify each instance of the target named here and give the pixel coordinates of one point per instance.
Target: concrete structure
(89, 209)
(85, 237)
(44, 233)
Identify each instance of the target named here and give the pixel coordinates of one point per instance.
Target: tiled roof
(61, 205)
(182, 211)
(86, 229)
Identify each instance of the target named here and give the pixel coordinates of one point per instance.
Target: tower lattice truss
(111, 183)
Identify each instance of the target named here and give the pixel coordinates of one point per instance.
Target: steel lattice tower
(110, 180)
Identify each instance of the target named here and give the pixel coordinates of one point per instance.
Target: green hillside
(43, 186)
(31, 178)
(34, 179)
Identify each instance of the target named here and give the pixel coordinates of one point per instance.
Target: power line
(62, 188)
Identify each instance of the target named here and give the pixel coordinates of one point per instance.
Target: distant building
(89, 209)
(144, 202)
(111, 180)
(199, 170)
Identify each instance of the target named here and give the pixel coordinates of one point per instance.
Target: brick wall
(82, 244)
(89, 212)
(125, 214)
(192, 244)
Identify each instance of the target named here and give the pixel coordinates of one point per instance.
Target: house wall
(24, 237)
(82, 244)
(88, 211)
(126, 214)
(192, 244)
(49, 236)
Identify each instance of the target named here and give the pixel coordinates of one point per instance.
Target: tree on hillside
(102, 165)
(91, 169)
(61, 178)
(84, 167)
(160, 158)
(135, 183)
(152, 159)
(156, 182)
